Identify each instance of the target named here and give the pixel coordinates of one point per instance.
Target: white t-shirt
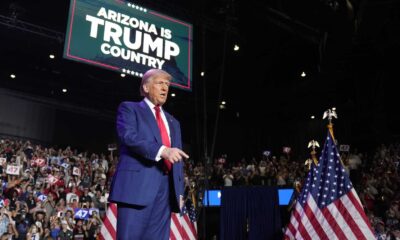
(228, 180)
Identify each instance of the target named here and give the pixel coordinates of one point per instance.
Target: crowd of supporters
(375, 177)
(51, 193)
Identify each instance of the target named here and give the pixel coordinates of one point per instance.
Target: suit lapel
(149, 116)
(170, 121)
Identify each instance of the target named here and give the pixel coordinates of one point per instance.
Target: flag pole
(330, 114)
(313, 145)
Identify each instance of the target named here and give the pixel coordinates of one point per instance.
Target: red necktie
(164, 136)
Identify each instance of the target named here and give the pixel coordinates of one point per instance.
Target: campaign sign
(2, 161)
(91, 210)
(51, 179)
(81, 213)
(266, 153)
(65, 165)
(344, 148)
(40, 162)
(42, 197)
(12, 170)
(76, 171)
(286, 150)
(130, 39)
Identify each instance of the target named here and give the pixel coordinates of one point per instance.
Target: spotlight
(13, 76)
(223, 102)
(51, 56)
(64, 90)
(236, 47)
(334, 109)
(202, 74)
(173, 95)
(303, 74)
(123, 75)
(312, 117)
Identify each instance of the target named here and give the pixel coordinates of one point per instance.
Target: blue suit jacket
(138, 175)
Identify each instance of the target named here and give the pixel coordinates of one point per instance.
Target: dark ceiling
(348, 49)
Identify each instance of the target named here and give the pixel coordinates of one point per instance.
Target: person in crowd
(228, 178)
(35, 232)
(65, 233)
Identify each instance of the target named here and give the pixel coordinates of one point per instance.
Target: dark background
(348, 49)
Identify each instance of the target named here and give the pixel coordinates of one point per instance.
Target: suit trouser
(146, 222)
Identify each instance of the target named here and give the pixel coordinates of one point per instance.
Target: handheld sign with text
(40, 162)
(65, 165)
(12, 170)
(42, 197)
(286, 150)
(51, 179)
(92, 210)
(2, 161)
(81, 213)
(76, 171)
(266, 153)
(344, 148)
(112, 147)
(130, 39)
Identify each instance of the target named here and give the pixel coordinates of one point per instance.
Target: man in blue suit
(148, 183)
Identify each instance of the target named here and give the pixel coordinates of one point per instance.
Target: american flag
(108, 230)
(328, 207)
(184, 227)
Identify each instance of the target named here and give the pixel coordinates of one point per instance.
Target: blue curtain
(250, 213)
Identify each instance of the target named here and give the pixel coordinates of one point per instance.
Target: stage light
(13, 76)
(303, 74)
(312, 117)
(123, 75)
(236, 47)
(64, 90)
(334, 109)
(173, 95)
(221, 106)
(51, 56)
(202, 74)
(223, 102)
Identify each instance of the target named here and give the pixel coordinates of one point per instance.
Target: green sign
(130, 39)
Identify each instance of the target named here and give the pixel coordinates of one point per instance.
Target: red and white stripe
(109, 228)
(342, 219)
(182, 228)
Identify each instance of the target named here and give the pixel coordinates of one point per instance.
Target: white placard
(40, 162)
(344, 148)
(12, 170)
(51, 179)
(286, 150)
(76, 171)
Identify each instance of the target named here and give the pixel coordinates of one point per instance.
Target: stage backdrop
(49, 122)
(130, 39)
(21, 117)
(250, 213)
